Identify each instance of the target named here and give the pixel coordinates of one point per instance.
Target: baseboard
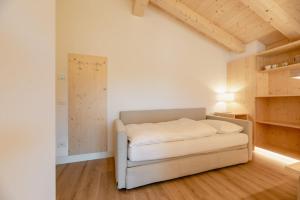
(82, 157)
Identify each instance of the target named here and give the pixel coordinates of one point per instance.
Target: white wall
(27, 69)
(251, 48)
(154, 61)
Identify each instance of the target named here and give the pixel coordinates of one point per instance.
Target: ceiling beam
(201, 24)
(272, 13)
(139, 7)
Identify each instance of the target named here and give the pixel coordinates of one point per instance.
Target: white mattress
(186, 147)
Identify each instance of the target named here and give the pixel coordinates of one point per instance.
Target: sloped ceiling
(269, 21)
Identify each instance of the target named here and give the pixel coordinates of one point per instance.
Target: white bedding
(223, 127)
(186, 147)
(177, 130)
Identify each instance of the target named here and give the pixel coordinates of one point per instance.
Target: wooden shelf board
(294, 168)
(271, 96)
(280, 150)
(293, 66)
(283, 124)
(278, 50)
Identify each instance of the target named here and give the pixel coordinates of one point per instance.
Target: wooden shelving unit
(274, 96)
(281, 150)
(277, 102)
(279, 111)
(289, 67)
(281, 49)
(283, 124)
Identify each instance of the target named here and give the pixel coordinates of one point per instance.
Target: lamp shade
(226, 97)
(295, 73)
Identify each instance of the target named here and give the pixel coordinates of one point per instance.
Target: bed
(141, 165)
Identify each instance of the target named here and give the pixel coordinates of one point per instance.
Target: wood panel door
(87, 104)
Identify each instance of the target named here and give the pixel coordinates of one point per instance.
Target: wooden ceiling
(234, 23)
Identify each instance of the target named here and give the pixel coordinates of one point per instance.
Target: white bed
(161, 157)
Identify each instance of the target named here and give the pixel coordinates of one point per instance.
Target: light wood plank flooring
(259, 179)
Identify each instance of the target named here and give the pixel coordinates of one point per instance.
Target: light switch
(62, 77)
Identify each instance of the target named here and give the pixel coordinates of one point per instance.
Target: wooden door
(87, 104)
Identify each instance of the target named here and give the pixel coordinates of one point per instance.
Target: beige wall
(153, 62)
(27, 69)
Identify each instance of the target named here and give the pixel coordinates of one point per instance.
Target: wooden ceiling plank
(139, 7)
(233, 17)
(272, 13)
(201, 24)
(291, 6)
(271, 39)
(201, 5)
(229, 11)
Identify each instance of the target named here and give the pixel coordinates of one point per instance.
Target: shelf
(243, 116)
(277, 96)
(280, 150)
(293, 66)
(281, 49)
(283, 124)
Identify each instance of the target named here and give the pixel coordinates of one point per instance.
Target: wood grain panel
(87, 104)
(290, 6)
(278, 82)
(262, 84)
(232, 16)
(279, 109)
(199, 23)
(274, 14)
(241, 79)
(293, 86)
(287, 139)
(274, 39)
(262, 108)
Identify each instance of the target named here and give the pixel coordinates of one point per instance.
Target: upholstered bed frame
(134, 174)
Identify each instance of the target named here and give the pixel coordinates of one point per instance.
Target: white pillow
(224, 127)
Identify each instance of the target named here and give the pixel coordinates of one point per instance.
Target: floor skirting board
(82, 157)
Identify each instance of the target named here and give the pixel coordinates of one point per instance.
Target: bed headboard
(153, 116)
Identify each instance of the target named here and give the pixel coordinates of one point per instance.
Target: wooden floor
(259, 179)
